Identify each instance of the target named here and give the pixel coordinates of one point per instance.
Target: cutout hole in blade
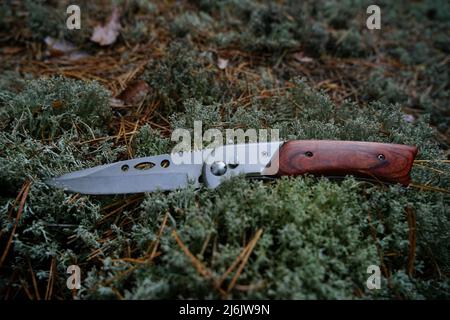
(125, 167)
(165, 163)
(144, 165)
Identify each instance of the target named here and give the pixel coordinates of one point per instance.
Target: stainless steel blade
(133, 176)
(168, 172)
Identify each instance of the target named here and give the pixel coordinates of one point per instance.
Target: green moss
(182, 75)
(269, 30)
(47, 108)
(44, 21)
(149, 142)
(349, 43)
(191, 23)
(383, 88)
(50, 215)
(315, 38)
(286, 260)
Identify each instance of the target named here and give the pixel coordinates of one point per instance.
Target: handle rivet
(218, 168)
(309, 154)
(381, 157)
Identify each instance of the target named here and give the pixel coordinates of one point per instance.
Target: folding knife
(383, 162)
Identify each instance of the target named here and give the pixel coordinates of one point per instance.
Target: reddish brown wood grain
(380, 161)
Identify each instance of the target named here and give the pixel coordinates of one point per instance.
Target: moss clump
(297, 217)
(380, 87)
(269, 30)
(50, 215)
(181, 75)
(149, 142)
(47, 108)
(349, 43)
(191, 23)
(315, 38)
(43, 21)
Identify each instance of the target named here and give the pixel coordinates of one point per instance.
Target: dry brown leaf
(106, 35)
(135, 92)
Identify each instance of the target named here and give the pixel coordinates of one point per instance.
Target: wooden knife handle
(381, 161)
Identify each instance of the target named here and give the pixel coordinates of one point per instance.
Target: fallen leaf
(300, 57)
(59, 48)
(222, 63)
(107, 34)
(134, 93)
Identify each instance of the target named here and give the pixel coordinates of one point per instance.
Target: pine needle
(51, 280)
(23, 195)
(429, 188)
(432, 161)
(198, 265)
(430, 168)
(249, 250)
(154, 247)
(33, 278)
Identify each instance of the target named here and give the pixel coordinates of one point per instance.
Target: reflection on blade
(131, 176)
(115, 185)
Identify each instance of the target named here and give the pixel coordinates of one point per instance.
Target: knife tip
(54, 182)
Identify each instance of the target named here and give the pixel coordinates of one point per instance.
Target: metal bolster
(227, 161)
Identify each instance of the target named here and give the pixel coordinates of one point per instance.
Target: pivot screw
(218, 168)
